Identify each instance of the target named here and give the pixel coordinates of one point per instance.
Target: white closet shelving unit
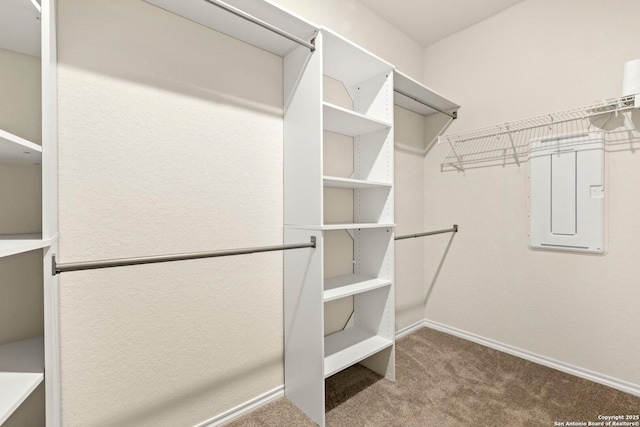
(208, 14)
(28, 28)
(405, 84)
(310, 356)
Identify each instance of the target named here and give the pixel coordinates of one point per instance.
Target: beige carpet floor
(443, 381)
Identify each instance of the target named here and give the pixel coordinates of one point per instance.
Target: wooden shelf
(336, 182)
(345, 61)
(13, 147)
(352, 284)
(21, 370)
(346, 122)
(350, 346)
(406, 84)
(11, 244)
(225, 22)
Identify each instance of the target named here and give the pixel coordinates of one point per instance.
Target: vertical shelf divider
(303, 313)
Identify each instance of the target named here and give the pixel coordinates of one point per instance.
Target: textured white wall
(538, 57)
(170, 141)
(409, 216)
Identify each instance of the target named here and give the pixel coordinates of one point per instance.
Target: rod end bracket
(313, 242)
(455, 228)
(54, 266)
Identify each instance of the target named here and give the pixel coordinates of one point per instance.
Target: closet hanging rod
(453, 115)
(123, 262)
(244, 15)
(454, 229)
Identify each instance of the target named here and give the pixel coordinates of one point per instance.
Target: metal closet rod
(244, 15)
(122, 262)
(454, 229)
(453, 115)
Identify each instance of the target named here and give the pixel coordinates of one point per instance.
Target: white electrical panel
(566, 193)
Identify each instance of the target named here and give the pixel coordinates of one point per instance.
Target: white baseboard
(277, 392)
(410, 329)
(263, 399)
(245, 408)
(577, 371)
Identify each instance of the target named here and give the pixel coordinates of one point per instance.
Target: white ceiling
(427, 21)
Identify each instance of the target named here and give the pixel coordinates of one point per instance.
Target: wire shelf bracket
(513, 147)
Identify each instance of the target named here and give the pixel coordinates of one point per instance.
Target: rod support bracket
(313, 241)
(454, 115)
(54, 266)
(455, 228)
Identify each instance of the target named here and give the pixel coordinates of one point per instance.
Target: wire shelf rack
(508, 143)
